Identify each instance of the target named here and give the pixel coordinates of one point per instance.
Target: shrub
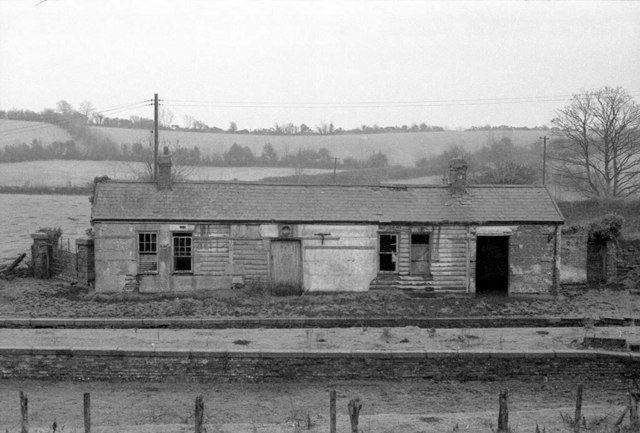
(606, 229)
(53, 233)
(186, 307)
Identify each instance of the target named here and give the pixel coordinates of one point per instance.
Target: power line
(121, 109)
(372, 104)
(116, 106)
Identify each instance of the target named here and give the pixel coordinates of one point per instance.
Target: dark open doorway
(492, 265)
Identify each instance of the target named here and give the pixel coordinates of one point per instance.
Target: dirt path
(406, 338)
(25, 297)
(407, 406)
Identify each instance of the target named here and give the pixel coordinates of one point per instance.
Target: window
(182, 252)
(388, 252)
(147, 253)
(420, 254)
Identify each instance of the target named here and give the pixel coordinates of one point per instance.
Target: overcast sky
(391, 63)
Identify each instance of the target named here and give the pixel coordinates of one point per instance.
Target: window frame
(182, 235)
(142, 242)
(395, 263)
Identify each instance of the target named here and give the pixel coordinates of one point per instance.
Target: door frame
(508, 240)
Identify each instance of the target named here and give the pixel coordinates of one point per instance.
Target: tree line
(235, 156)
(86, 114)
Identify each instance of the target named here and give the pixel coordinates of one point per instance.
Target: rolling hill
(400, 148)
(22, 131)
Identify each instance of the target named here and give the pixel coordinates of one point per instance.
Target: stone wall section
(185, 365)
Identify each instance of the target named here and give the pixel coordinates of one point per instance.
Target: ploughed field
(290, 406)
(49, 298)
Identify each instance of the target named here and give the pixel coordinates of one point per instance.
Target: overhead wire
(370, 104)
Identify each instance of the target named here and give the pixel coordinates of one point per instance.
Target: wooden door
(286, 262)
(419, 254)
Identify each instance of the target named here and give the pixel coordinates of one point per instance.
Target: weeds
(300, 417)
(386, 334)
(269, 288)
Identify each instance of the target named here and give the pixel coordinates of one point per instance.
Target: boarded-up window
(388, 252)
(147, 252)
(182, 252)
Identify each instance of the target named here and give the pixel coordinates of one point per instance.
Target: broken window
(147, 252)
(388, 252)
(182, 252)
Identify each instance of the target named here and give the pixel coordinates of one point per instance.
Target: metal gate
(64, 263)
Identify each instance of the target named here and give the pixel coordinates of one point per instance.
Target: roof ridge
(324, 185)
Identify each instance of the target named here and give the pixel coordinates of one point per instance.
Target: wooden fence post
(503, 412)
(24, 411)
(354, 412)
(577, 417)
(332, 411)
(87, 412)
(199, 413)
(634, 419)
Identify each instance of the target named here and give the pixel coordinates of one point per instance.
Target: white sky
(116, 52)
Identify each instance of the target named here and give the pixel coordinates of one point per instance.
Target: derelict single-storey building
(210, 235)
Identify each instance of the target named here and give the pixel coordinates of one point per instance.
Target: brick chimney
(458, 175)
(164, 170)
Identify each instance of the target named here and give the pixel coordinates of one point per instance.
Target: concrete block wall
(346, 259)
(531, 259)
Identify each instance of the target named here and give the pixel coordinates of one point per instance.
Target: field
(79, 173)
(24, 214)
(21, 131)
(400, 148)
(288, 406)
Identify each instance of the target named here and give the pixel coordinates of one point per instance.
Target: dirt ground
(26, 297)
(384, 339)
(399, 407)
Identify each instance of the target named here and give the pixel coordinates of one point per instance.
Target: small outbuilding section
(176, 236)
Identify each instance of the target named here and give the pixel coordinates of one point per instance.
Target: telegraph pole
(155, 137)
(544, 159)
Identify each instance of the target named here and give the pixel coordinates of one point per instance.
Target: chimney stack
(458, 175)
(164, 170)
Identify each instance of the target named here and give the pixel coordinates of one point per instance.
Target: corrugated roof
(223, 201)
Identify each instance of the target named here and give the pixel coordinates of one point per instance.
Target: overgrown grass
(268, 288)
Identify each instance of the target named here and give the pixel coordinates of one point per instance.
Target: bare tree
(189, 120)
(86, 108)
(179, 170)
(165, 117)
(598, 154)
